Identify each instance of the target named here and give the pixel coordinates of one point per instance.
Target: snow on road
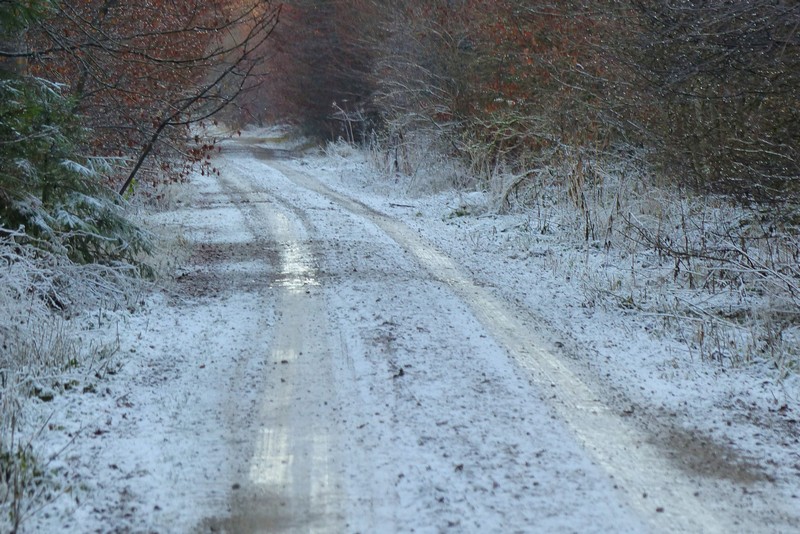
(437, 424)
(328, 361)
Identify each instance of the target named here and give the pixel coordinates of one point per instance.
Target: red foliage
(134, 67)
(539, 59)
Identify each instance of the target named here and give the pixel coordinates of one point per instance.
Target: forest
(665, 125)
(661, 125)
(103, 94)
(706, 90)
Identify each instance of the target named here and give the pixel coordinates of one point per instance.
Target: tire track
(666, 497)
(292, 481)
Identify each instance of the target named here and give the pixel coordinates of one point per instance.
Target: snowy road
(320, 366)
(407, 397)
(394, 405)
(292, 482)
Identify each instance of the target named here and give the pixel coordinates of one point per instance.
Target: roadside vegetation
(653, 134)
(96, 104)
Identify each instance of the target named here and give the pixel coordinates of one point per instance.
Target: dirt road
(347, 362)
(400, 395)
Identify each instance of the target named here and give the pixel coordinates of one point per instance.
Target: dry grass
(41, 297)
(722, 277)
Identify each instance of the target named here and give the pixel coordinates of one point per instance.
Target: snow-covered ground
(338, 352)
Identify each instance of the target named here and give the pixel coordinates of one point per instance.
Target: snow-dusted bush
(420, 158)
(340, 149)
(47, 188)
(40, 354)
(726, 276)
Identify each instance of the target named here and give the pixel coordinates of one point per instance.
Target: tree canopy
(708, 89)
(98, 94)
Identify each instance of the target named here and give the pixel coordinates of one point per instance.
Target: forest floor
(333, 351)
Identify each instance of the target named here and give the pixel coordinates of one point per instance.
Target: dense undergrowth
(67, 245)
(44, 297)
(722, 276)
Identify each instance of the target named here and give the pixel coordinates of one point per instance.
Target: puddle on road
(297, 268)
(253, 148)
(221, 267)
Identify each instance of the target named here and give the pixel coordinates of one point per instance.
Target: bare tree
(140, 72)
(726, 76)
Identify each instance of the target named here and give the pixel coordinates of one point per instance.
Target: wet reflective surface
(297, 271)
